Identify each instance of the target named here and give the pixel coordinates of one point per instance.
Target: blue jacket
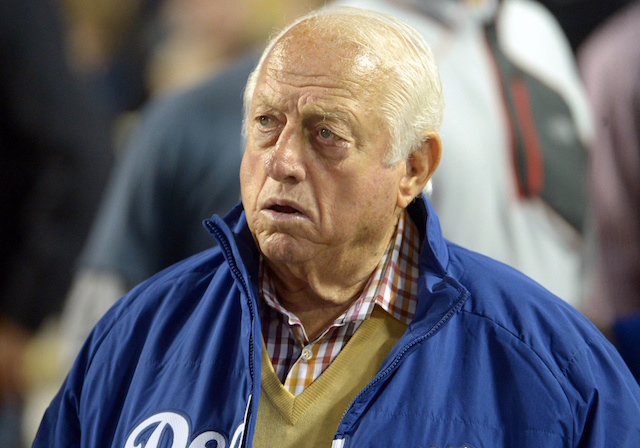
(491, 359)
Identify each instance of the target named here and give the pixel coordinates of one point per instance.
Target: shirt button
(306, 354)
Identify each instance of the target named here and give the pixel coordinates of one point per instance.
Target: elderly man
(333, 313)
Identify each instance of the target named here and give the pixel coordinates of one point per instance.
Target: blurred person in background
(55, 154)
(610, 65)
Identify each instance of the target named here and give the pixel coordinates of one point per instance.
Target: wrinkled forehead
(313, 50)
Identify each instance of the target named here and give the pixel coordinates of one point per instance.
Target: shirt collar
(392, 285)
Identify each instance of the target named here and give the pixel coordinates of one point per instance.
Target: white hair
(412, 102)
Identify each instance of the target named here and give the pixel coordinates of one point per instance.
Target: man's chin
(284, 248)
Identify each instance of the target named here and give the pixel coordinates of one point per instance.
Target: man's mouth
(284, 209)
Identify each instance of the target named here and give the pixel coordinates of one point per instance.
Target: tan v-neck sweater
(312, 418)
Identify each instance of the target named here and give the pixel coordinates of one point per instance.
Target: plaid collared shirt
(393, 286)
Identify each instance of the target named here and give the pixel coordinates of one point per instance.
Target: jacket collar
(439, 291)
(434, 255)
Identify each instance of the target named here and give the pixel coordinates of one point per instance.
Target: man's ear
(421, 164)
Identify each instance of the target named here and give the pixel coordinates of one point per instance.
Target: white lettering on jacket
(158, 426)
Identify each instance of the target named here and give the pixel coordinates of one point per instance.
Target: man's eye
(326, 134)
(264, 121)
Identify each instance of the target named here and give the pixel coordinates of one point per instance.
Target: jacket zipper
(234, 268)
(381, 376)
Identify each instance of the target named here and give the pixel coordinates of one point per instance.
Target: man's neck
(320, 291)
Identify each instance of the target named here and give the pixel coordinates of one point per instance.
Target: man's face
(315, 185)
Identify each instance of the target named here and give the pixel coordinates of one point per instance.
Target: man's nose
(284, 163)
